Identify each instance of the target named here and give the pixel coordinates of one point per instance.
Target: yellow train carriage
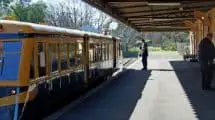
(41, 67)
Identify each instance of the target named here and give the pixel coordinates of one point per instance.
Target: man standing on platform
(144, 49)
(206, 56)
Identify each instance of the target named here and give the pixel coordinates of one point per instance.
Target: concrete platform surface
(169, 90)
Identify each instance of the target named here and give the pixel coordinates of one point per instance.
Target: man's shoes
(144, 69)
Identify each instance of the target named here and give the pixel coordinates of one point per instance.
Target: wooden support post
(211, 16)
(199, 34)
(86, 59)
(192, 41)
(36, 64)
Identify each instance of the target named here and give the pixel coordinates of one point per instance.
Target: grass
(155, 49)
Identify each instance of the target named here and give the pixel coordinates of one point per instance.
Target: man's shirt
(206, 50)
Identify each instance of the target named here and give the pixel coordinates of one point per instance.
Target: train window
(103, 52)
(32, 74)
(78, 50)
(63, 56)
(108, 53)
(72, 54)
(41, 60)
(91, 53)
(53, 58)
(9, 60)
(93, 56)
(95, 53)
(117, 50)
(100, 52)
(120, 50)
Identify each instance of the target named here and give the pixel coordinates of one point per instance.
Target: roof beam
(160, 20)
(131, 6)
(161, 30)
(183, 13)
(169, 15)
(161, 24)
(170, 29)
(169, 10)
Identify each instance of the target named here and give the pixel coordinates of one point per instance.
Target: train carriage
(41, 67)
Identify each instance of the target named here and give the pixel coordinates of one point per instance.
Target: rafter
(143, 14)
(132, 6)
(165, 10)
(161, 24)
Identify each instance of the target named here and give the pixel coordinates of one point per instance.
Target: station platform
(169, 90)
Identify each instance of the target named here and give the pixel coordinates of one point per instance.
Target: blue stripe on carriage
(12, 35)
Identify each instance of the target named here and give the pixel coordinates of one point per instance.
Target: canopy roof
(153, 15)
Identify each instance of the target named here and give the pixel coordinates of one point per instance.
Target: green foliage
(134, 49)
(169, 46)
(155, 49)
(4, 7)
(34, 13)
(6, 2)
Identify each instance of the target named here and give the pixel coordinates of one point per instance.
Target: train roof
(37, 28)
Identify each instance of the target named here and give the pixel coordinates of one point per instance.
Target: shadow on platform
(116, 101)
(203, 102)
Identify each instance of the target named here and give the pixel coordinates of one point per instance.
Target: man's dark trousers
(144, 61)
(207, 72)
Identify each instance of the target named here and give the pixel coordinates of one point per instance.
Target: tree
(5, 2)
(75, 14)
(4, 7)
(34, 13)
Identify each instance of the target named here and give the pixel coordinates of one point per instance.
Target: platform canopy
(153, 15)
